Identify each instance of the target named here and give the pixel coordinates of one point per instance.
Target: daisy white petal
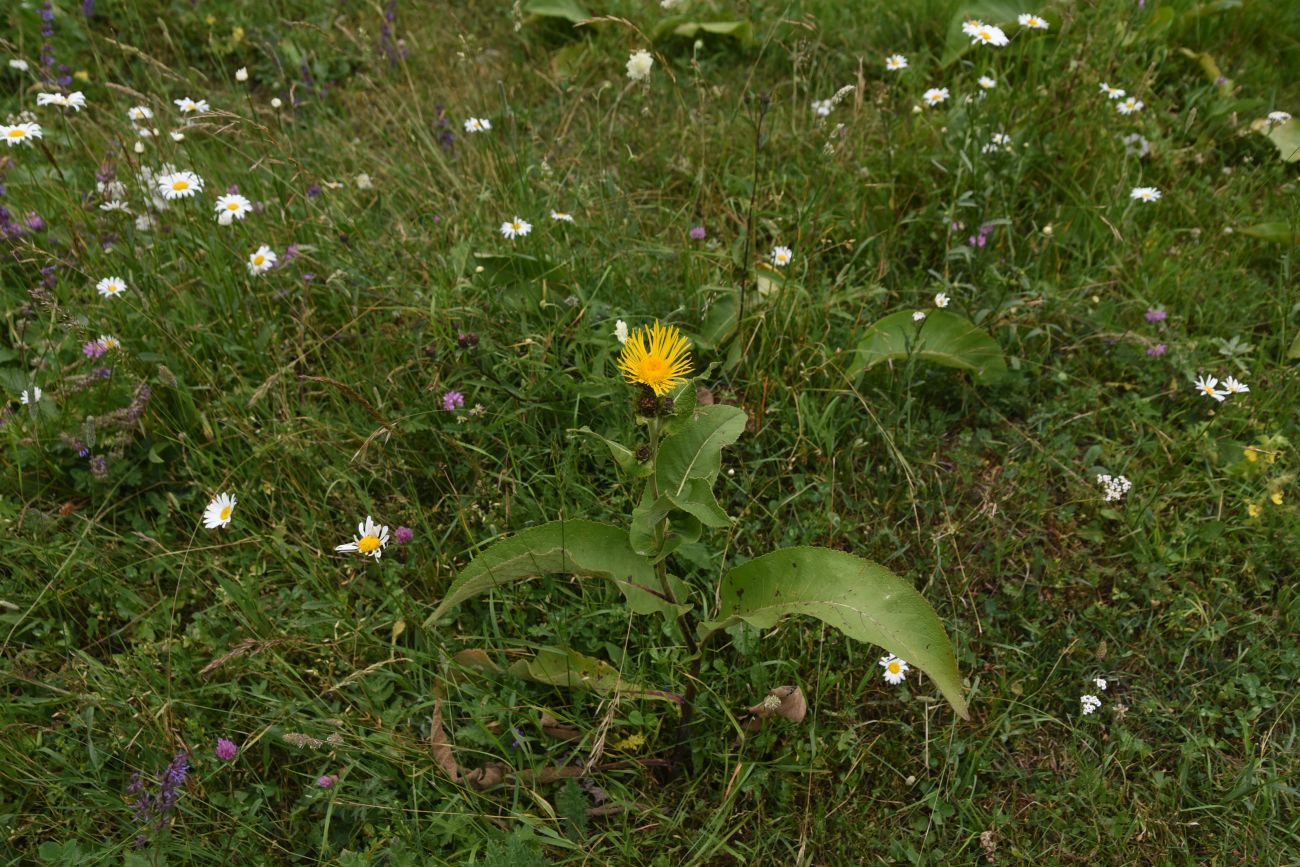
(218, 512)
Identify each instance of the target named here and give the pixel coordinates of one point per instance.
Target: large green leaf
(583, 548)
(943, 338)
(1278, 233)
(864, 600)
(680, 25)
(569, 10)
(1284, 136)
(695, 452)
(573, 670)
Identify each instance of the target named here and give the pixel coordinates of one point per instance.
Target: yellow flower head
(1253, 510)
(1252, 454)
(1276, 497)
(657, 357)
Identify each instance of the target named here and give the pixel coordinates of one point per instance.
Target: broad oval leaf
(569, 10)
(862, 599)
(583, 548)
(695, 451)
(1277, 233)
(942, 337)
(568, 668)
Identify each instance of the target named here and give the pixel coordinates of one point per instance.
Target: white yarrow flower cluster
(1209, 386)
(1276, 118)
(1090, 704)
(999, 141)
(1113, 488)
(639, 64)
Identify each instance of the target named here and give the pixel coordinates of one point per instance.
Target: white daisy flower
(1100, 683)
(516, 228)
(984, 34)
(232, 207)
(895, 669)
(478, 124)
(781, 256)
(138, 113)
(1132, 105)
(561, 217)
(895, 62)
(75, 100)
(187, 105)
(987, 83)
(370, 540)
(241, 74)
(620, 331)
(1277, 117)
(30, 397)
(109, 342)
(115, 205)
(261, 260)
(218, 512)
(935, 95)
(1207, 388)
(20, 65)
(20, 133)
(111, 286)
(1090, 703)
(1033, 22)
(918, 316)
(145, 223)
(44, 99)
(1145, 194)
(179, 185)
(941, 300)
(1112, 92)
(638, 65)
(1235, 386)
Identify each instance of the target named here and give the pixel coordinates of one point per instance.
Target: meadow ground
(246, 694)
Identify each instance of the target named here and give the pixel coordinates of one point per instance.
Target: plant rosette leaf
(695, 451)
(573, 670)
(942, 338)
(1284, 136)
(862, 599)
(586, 549)
(569, 10)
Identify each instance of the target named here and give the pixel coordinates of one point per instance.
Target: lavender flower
(1157, 350)
(155, 811)
(1156, 314)
(453, 400)
(982, 236)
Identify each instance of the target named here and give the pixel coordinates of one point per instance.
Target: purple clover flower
(1157, 350)
(93, 349)
(697, 233)
(1156, 314)
(226, 749)
(327, 781)
(453, 400)
(403, 535)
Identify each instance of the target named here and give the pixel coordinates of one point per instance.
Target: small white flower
(111, 286)
(895, 62)
(1207, 388)
(1145, 194)
(30, 397)
(20, 65)
(241, 74)
(999, 141)
(109, 342)
(918, 316)
(138, 147)
(1112, 92)
(895, 669)
(44, 99)
(20, 133)
(177, 135)
(1278, 117)
(232, 207)
(1090, 703)
(781, 256)
(1113, 488)
(369, 541)
(638, 65)
(139, 112)
(276, 102)
(179, 185)
(1235, 386)
(1033, 22)
(935, 95)
(984, 34)
(145, 222)
(1136, 145)
(363, 182)
(1100, 683)
(1131, 105)
(940, 300)
(478, 124)
(115, 205)
(516, 228)
(987, 83)
(561, 217)
(187, 105)
(620, 331)
(218, 512)
(822, 107)
(261, 260)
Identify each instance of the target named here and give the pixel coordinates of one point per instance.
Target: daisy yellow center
(17, 133)
(986, 35)
(225, 513)
(657, 357)
(367, 544)
(893, 667)
(180, 185)
(113, 287)
(1208, 389)
(517, 227)
(233, 206)
(259, 259)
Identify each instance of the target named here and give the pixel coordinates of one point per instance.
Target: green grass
(129, 632)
